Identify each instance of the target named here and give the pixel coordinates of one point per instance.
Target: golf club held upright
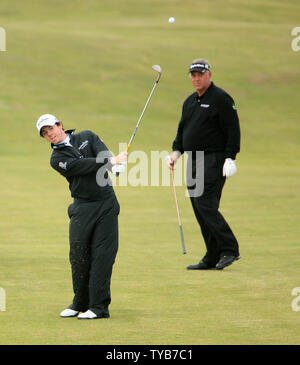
(158, 69)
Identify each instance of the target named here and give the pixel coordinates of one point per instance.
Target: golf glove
(229, 167)
(118, 168)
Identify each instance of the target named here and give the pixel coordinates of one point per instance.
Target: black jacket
(209, 123)
(77, 163)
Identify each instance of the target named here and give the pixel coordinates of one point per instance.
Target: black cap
(199, 67)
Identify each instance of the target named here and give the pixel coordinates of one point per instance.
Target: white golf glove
(118, 168)
(229, 167)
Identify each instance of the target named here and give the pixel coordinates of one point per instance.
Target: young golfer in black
(210, 123)
(83, 159)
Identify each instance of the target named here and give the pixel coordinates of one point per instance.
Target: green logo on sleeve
(233, 107)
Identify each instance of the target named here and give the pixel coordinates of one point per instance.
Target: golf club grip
(127, 149)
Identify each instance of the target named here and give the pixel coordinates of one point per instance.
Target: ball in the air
(171, 20)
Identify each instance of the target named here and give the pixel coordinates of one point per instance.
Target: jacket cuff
(231, 155)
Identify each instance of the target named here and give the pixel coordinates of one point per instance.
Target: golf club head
(158, 69)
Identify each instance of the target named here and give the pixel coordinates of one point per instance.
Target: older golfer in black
(83, 159)
(210, 123)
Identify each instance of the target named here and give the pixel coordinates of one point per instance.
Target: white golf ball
(172, 20)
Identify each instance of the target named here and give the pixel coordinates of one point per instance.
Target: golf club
(178, 214)
(158, 69)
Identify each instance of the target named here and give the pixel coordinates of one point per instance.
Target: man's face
(54, 133)
(200, 81)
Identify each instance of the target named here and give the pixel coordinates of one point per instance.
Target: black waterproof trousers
(218, 236)
(93, 248)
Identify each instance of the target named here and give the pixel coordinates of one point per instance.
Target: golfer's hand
(171, 160)
(122, 157)
(229, 167)
(119, 168)
(119, 163)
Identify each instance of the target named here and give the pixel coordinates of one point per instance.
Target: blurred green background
(89, 63)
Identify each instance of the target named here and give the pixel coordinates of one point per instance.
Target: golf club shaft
(141, 116)
(138, 123)
(178, 214)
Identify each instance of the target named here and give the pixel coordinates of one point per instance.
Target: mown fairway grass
(89, 63)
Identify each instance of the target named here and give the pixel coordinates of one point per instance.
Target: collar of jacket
(211, 86)
(61, 145)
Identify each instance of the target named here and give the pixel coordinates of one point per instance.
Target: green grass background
(89, 63)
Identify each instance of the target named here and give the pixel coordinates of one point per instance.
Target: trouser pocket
(70, 210)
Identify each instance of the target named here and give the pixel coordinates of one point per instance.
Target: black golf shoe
(202, 265)
(226, 260)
